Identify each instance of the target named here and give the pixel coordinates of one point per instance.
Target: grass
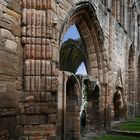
(132, 125)
(114, 137)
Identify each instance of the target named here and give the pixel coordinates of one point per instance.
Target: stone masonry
(33, 90)
(11, 67)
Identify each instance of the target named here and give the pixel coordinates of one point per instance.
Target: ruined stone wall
(117, 44)
(11, 65)
(116, 47)
(30, 70)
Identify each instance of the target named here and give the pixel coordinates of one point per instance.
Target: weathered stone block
(32, 119)
(32, 108)
(11, 45)
(38, 138)
(40, 5)
(7, 128)
(55, 53)
(7, 34)
(52, 119)
(16, 17)
(2, 8)
(3, 2)
(23, 138)
(14, 5)
(16, 30)
(2, 86)
(40, 130)
(45, 96)
(6, 98)
(48, 108)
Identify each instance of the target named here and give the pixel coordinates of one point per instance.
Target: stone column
(138, 41)
(76, 118)
(122, 14)
(118, 10)
(109, 4)
(38, 105)
(61, 112)
(138, 86)
(126, 15)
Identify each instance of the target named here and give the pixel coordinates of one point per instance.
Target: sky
(73, 34)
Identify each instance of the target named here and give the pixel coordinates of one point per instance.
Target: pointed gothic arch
(83, 16)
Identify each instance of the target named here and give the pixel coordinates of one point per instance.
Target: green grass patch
(114, 137)
(131, 125)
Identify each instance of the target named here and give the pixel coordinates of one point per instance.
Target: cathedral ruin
(41, 97)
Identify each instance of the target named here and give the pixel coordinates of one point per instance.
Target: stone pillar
(122, 15)
(118, 10)
(76, 128)
(138, 41)
(10, 67)
(136, 31)
(60, 106)
(126, 15)
(138, 89)
(38, 104)
(61, 112)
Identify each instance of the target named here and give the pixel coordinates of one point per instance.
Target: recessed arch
(83, 15)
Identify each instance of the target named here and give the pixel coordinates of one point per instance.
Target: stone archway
(83, 15)
(40, 28)
(69, 100)
(72, 125)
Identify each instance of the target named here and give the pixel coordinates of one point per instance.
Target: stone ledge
(124, 133)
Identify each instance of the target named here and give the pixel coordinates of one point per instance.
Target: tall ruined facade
(37, 99)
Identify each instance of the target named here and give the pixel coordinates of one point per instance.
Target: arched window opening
(72, 107)
(73, 53)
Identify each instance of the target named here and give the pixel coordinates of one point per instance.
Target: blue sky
(72, 33)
